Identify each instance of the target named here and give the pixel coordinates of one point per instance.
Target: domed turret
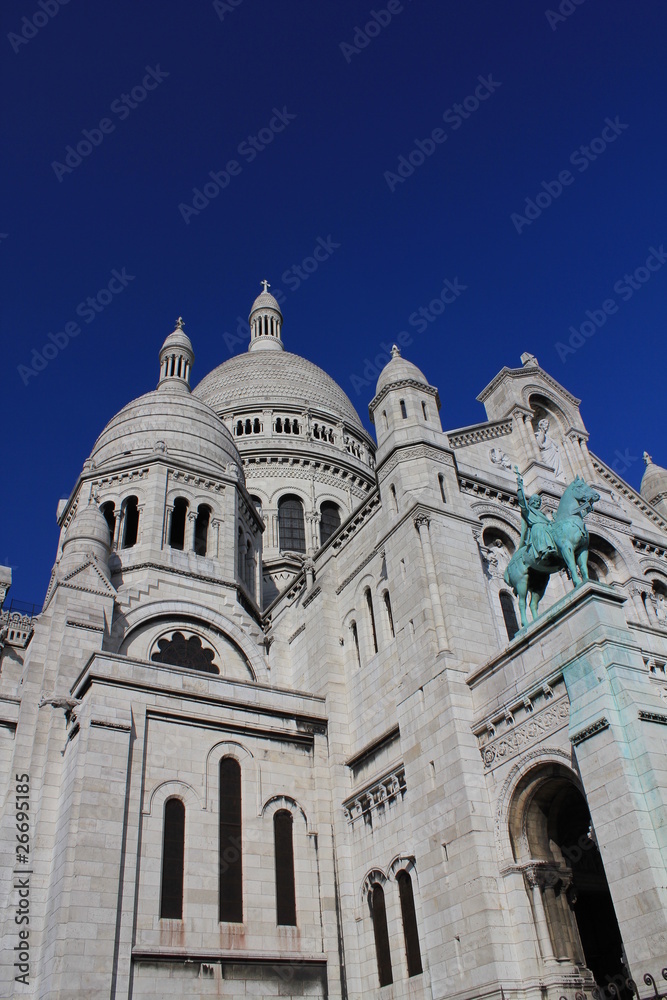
(88, 534)
(266, 322)
(399, 370)
(654, 485)
(169, 420)
(176, 359)
(404, 401)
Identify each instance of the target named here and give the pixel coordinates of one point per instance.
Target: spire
(176, 359)
(395, 351)
(266, 321)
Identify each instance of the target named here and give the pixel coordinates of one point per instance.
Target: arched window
(441, 481)
(371, 616)
(131, 521)
(257, 502)
(390, 617)
(250, 567)
(173, 850)
(201, 528)
(355, 638)
(424, 410)
(410, 934)
(256, 427)
(284, 862)
(239, 428)
(330, 520)
(178, 516)
(378, 910)
(291, 525)
(248, 426)
(384, 420)
(240, 552)
(287, 427)
(509, 614)
(230, 859)
(394, 498)
(404, 412)
(109, 511)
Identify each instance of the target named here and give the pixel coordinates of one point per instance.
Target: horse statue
(547, 545)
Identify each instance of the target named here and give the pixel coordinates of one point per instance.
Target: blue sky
(334, 125)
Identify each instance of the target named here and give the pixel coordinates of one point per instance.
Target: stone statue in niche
(496, 557)
(549, 450)
(659, 602)
(499, 457)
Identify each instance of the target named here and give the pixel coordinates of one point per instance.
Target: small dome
(89, 524)
(172, 422)
(654, 481)
(397, 370)
(178, 341)
(265, 301)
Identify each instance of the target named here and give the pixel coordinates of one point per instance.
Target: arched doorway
(554, 843)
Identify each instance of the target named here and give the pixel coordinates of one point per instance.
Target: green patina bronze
(548, 545)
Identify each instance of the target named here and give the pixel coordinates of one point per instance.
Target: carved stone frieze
(555, 716)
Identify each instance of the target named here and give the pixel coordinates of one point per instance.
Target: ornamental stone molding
(404, 383)
(585, 734)
(383, 792)
(658, 717)
(415, 453)
(487, 491)
(550, 719)
(480, 432)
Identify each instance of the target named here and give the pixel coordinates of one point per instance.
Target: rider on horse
(535, 525)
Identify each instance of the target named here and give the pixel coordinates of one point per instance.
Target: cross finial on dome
(395, 351)
(647, 458)
(179, 323)
(266, 284)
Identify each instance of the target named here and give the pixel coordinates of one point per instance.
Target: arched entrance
(554, 843)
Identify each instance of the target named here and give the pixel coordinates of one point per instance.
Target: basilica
(283, 727)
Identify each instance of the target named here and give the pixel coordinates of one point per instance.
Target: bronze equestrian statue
(546, 545)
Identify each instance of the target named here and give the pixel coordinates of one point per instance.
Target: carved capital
(421, 521)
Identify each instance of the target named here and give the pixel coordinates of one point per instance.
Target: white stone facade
(505, 800)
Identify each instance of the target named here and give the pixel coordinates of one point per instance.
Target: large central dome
(275, 379)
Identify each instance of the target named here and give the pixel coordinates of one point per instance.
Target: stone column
(120, 516)
(192, 518)
(535, 877)
(422, 524)
(213, 550)
(167, 526)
